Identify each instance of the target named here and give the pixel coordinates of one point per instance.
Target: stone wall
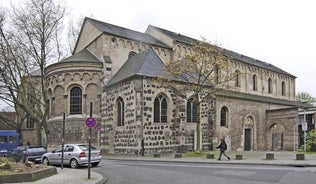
(62, 77)
(258, 117)
(75, 131)
(158, 137)
(280, 128)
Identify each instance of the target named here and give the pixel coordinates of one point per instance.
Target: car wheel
(74, 163)
(45, 161)
(95, 164)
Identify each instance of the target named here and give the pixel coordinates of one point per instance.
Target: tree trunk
(198, 127)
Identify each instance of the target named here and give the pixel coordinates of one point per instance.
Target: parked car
(30, 153)
(75, 155)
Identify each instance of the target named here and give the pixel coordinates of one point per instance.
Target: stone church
(114, 68)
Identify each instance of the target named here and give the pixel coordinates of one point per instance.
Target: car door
(68, 153)
(55, 156)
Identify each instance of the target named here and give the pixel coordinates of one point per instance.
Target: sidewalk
(71, 176)
(282, 158)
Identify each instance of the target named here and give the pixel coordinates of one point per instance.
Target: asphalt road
(138, 172)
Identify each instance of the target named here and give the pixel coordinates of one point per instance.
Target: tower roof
(146, 63)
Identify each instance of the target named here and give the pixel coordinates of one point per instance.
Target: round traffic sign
(91, 122)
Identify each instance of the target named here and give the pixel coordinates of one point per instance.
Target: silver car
(75, 155)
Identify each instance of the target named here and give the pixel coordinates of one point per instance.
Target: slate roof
(85, 56)
(146, 63)
(177, 36)
(190, 41)
(126, 33)
(146, 38)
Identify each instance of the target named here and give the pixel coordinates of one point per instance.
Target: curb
(104, 180)
(237, 162)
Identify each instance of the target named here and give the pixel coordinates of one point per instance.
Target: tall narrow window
(30, 122)
(75, 101)
(224, 116)
(120, 112)
(216, 74)
(160, 109)
(269, 85)
(237, 78)
(191, 111)
(254, 82)
(283, 88)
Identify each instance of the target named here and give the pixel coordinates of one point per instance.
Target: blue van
(9, 139)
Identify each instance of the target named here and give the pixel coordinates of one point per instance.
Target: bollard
(270, 156)
(210, 156)
(178, 155)
(239, 157)
(300, 156)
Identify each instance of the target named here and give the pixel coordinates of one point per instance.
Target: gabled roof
(191, 41)
(126, 33)
(146, 63)
(85, 56)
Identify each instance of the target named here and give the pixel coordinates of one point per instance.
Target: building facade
(115, 69)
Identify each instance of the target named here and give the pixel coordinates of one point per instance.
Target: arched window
(254, 82)
(283, 88)
(120, 112)
(75, 101)
(224, 116)
(160, 109)
(191, 111)
(131, 54)
(269, 85)
(237, 78)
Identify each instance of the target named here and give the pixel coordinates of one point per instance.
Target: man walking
(222, 147)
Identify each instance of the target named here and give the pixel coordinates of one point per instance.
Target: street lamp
(304, 124)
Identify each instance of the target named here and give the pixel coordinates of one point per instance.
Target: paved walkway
(80, 176)
(71, 176)
(249, 157)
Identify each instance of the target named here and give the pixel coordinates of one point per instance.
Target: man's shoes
(228, 158)
(219, 159)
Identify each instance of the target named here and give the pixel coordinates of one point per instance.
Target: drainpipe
(142, 118)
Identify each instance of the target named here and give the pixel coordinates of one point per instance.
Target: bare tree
(73, 32)
(28, 45)
(201, 74)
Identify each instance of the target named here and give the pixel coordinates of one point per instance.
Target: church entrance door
(247, 138)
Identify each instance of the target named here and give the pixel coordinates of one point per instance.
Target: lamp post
(304, 125)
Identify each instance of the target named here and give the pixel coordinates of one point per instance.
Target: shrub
(5, 163)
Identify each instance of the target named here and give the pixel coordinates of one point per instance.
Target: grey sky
(280, 32)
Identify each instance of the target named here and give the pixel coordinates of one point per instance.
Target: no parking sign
(91, 122)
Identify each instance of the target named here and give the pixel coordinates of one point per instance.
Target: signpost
(304, 128)
(90, 123)
(63, 141)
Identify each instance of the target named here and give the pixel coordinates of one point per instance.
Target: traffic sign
(90, 122)
(304, 126)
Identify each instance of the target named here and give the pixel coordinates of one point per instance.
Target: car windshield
(86, 147)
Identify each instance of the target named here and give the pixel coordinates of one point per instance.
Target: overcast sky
(280, 32)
